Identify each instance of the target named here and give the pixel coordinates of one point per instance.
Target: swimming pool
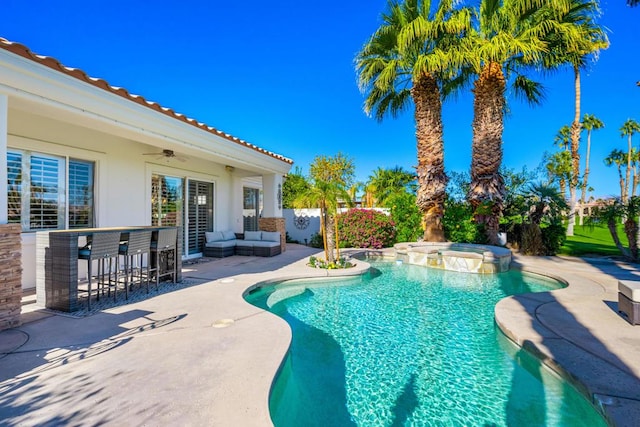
(408, 345)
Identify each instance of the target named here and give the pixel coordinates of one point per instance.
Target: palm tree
(403, 62)
(544, 200)
(618, 158)
(559, 168)
(508, 39)
(628, 129)
(563, 137)
(388, 182)
(325, 195)
(589, 123)
(575, 39)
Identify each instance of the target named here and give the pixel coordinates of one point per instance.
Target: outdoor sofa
(221, 244)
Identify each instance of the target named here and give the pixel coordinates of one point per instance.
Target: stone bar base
(10, 275)
(275, 224)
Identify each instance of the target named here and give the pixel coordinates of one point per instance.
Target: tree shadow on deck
(33, 379)
(576, 334)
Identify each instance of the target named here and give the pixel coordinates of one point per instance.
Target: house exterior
(78, 152)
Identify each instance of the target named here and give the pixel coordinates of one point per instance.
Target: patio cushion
(221, 244)
(213, 236)
(265, 244)
(246, 243)
(271, 236)
(630, 289)
(228, 235)
(253, 235)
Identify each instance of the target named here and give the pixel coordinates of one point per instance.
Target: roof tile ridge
(51, 62)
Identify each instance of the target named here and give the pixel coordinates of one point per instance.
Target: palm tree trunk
(486, 192)
(631, 230)
(335, 221)
(432, 180)
(575, 156)
(323, 230)
(585, 181)
(331, 242)
(625, 196)
(622, 185)
(611, 224)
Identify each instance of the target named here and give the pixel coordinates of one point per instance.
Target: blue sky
(281, 75)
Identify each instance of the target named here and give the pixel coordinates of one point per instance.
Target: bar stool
(162, 246)
(103, 247)
(134, 249)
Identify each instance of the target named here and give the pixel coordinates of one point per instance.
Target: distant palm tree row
(424, 52)
(560, 168)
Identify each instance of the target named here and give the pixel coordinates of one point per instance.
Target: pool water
(410, 346)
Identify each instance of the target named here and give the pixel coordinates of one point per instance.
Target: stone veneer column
(10, 275)
(275, 224)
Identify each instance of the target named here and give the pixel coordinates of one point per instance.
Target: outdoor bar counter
(57, 264)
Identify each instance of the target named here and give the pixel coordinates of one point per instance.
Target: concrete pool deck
(201, 355)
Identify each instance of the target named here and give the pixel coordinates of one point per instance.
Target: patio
(197, 354)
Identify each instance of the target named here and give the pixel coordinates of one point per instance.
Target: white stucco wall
(122, 174)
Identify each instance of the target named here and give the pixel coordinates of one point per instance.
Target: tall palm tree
(628, 129)
(403, 62)
(589, 123)
(575, 39)
(508, 40)
(618, 158)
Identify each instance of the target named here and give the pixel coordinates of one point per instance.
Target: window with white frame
(39, 197)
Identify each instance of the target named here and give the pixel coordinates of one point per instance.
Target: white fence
(301, 224)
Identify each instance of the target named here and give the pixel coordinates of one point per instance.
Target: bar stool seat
(165, 245)
(134, 249)
(103, 248)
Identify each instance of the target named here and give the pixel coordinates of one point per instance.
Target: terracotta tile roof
(54, 64)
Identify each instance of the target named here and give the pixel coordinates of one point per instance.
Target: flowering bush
(364, 228)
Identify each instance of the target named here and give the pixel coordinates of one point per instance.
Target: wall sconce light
(229, 168)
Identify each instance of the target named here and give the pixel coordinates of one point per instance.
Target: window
(80, 194)
(251, 208)
(37, 196)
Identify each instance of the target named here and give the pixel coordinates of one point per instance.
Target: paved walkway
(201, 355)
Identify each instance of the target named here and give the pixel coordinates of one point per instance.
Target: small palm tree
(563, 137)
(616, 211)
(544, 200)
(589, 123)
(559, 169)
(628, 129)
(618, 158)
(388, 182)
(326, 196)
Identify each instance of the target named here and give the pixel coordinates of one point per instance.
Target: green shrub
(364, 228)
(406, 215)
(459, 225)
(553, 237)
(316, 241)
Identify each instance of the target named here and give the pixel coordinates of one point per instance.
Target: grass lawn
(592, 241)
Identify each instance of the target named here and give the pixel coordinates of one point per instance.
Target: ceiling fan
(166, 154)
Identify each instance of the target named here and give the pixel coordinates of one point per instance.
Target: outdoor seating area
(220, 244)
(118, 259)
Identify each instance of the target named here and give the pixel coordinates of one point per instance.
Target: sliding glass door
(200, 214)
